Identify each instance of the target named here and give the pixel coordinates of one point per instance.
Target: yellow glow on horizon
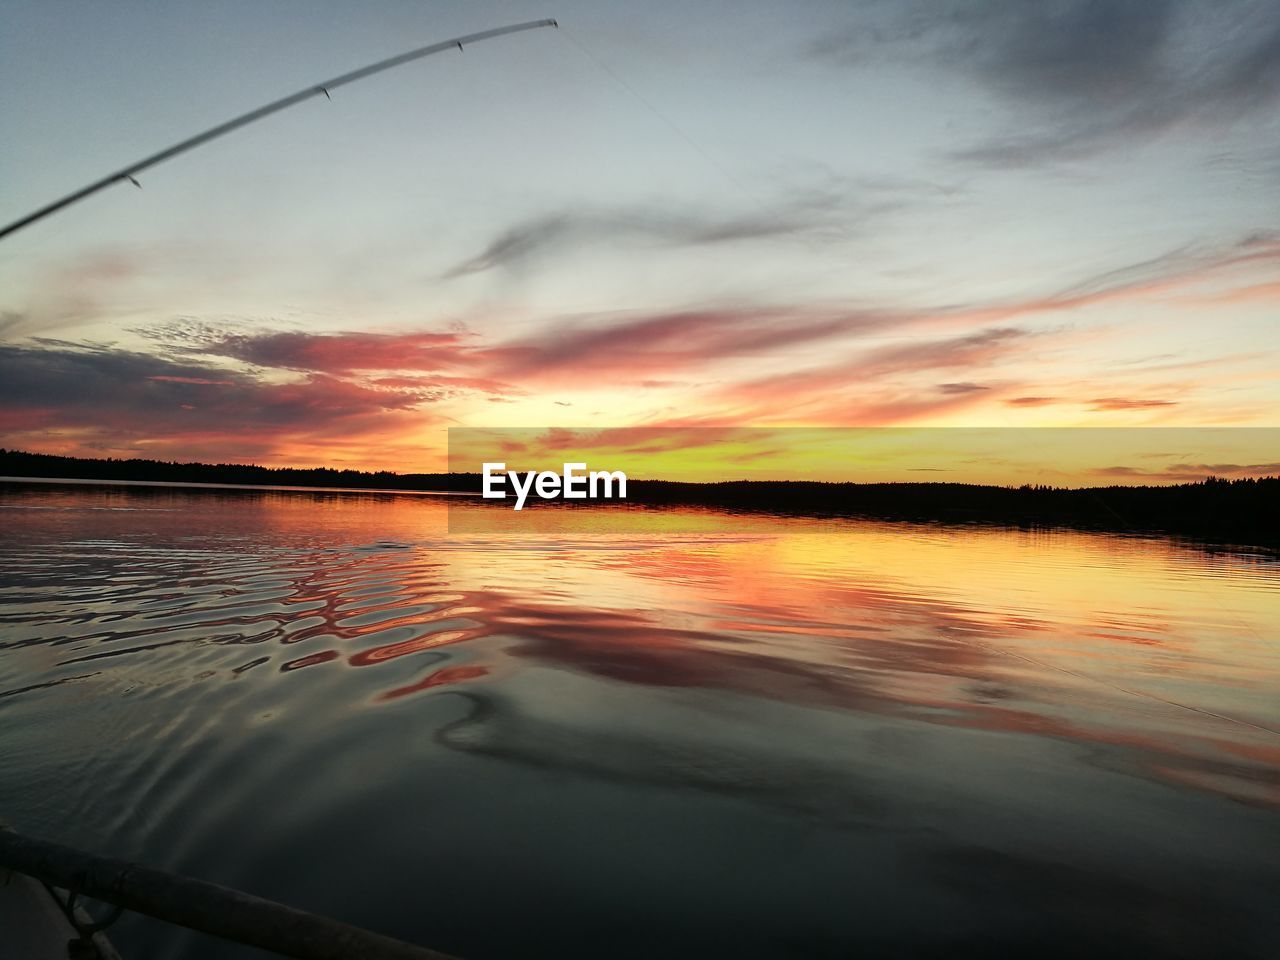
(997, 456)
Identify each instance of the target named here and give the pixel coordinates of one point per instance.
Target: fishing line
(662, 117)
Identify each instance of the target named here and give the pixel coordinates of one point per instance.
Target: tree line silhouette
(18, 463)
(1240, 511)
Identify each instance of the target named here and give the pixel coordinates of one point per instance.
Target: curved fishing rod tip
(243, 119)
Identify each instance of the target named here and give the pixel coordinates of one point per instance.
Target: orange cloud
(1128, 403)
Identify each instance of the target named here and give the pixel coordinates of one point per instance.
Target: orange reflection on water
(448, 676)
(1160, 649)
(1152, 648)
(1054, 728)
(391, 651)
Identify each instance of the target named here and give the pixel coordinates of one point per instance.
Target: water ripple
(271, 670)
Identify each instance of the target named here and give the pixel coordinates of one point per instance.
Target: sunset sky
(879, 213)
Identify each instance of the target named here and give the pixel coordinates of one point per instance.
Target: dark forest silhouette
(1243, 511)
(17, 463)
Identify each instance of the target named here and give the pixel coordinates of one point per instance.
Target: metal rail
(199, 905)
(315, 90)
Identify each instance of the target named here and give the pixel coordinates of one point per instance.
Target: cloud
(1193, 472)
(207, 389)
(1082, 76)
(1155, 277)
(79, 288)
(977, 349)
(652, 347)
(1030, 401)
(13, 323)
(961, 388)
(1129, 403)
(1098, 404)
(1065, 52)
(108, 398)
(440, 387)
(640, 348)
(530, 447)
(862, 389)
(171, 378)
(346, 353)
(1255, 293)
(631, 348)
(1175, 268)
(567, 230)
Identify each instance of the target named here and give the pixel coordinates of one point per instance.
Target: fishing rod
(315, 90)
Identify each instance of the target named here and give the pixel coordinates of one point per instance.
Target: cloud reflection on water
(961, 695)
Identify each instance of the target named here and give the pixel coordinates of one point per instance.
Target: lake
(747, 737)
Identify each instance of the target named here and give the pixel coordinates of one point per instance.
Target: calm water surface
(760, 740)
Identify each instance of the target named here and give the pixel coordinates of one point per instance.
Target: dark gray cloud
(114, 392)
(1069, 51)
(1083, 75)
(348, 352)
(805, 213)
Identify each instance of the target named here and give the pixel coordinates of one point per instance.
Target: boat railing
(195, 904)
